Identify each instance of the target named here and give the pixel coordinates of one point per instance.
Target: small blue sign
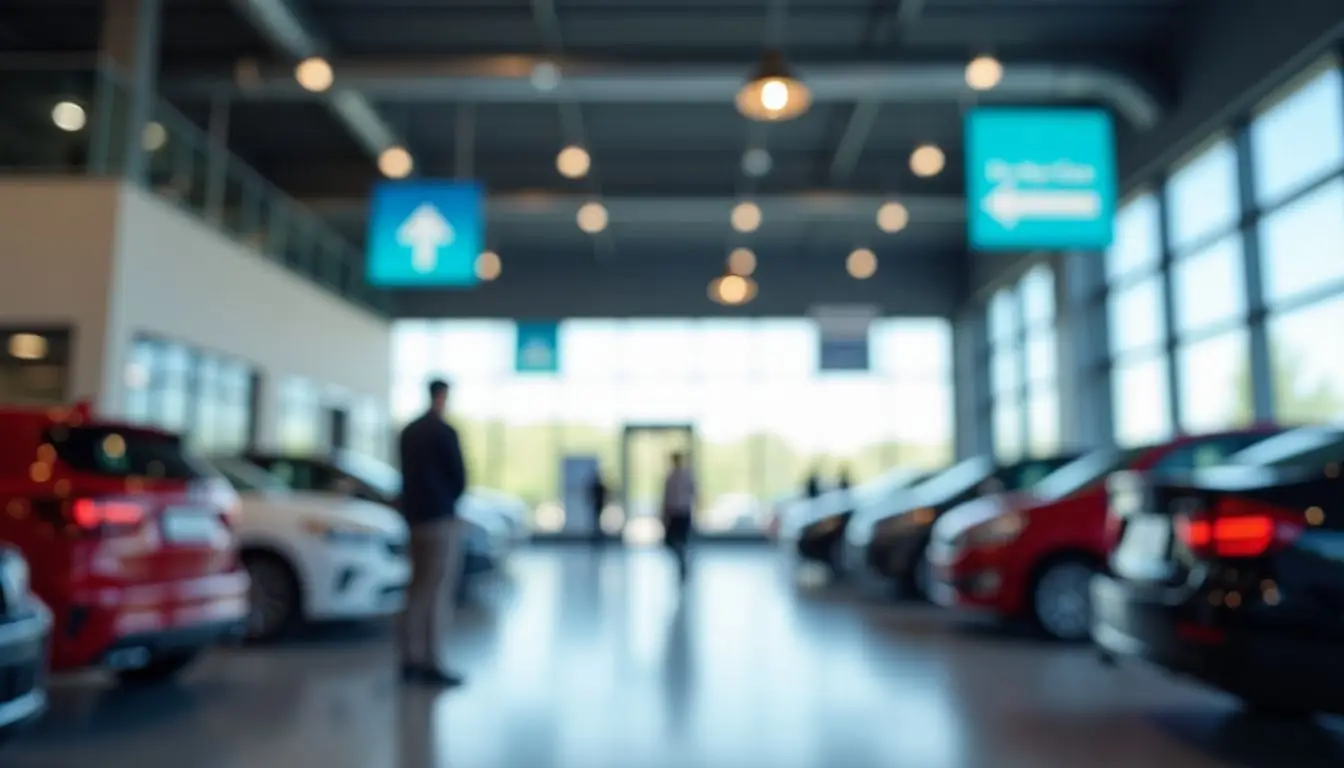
(843, 354)
(538, 348)
(1040, 178)
(425, 234)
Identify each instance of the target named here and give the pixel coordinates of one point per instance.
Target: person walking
(434, 477)
(679, 498)
(597, 499)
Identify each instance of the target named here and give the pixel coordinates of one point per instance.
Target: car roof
(39, 417)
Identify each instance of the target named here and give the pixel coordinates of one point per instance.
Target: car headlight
(16, 576)
(906, 521)
(995, 532)
(342, 532)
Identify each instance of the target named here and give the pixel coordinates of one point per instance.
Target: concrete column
(1084, 351)
(1170, 342)
(1262, 366)
(130, 41)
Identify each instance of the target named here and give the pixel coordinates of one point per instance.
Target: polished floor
(596, 663)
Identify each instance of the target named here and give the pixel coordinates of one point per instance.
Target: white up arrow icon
(425, 231)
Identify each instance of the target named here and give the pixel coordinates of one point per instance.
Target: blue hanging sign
(537, 348)
(425, 234)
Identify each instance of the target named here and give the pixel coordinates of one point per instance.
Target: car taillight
(1237, 527)
(103, 514)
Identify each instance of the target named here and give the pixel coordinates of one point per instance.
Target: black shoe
(441, 678)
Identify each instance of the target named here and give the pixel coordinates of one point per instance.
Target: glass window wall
(206, 396)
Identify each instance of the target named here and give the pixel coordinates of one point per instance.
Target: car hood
(326, 508)
(867, 516)
(974, 512)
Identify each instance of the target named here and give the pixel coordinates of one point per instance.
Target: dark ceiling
(886, 74)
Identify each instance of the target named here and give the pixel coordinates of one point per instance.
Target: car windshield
(1025, 475)
(248, 478)
(1082, 472)
(381, 477)
(1305, 447)
(124, 452)
(954, 482)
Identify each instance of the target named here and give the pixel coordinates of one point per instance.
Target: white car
(315, 556)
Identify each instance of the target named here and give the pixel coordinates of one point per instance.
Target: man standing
(679, 496)
(597, 499)
(434, 477)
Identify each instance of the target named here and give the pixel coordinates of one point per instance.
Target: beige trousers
(436, 565)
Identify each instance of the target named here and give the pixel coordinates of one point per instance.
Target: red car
(1034, 554)
(129, 539)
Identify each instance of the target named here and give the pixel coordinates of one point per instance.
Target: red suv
(1034, 554)
(130, 541)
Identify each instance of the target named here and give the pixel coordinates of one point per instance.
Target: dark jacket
(433, 473)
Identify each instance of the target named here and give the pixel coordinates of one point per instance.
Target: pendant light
(773, 94)
(732, 290)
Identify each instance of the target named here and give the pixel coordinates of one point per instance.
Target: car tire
(1061, 599)
(275, 597)
(161, 668)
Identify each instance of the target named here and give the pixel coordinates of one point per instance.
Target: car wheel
(274, 595)
(1062, 600)
(161, 668)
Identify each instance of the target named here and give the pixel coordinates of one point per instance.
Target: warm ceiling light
(69, 116)
(395, 163)
(545, 76)
(756, 162)
(861, 264)
(892, 217)
(314, 74)
(746, 217)
(742, 262)
(927, 160)
(732, 290)
(154, 137)
(773, 93)
(488, 266)
(592, 218)
(573, 162)
(27, 346)
(984, 73)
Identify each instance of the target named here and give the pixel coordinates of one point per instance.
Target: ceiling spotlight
(488, 266)
(154, 137)
(27, 346)
(927, 160)
(395, 162)
(592, 218)
(732, 290)
(756, 162)
(545, 76)
(573, 162)
(742, 262)
(984, 73)
(746, 217)
(773, 94)
(892, 217)
(861, 264)
(69, 116)
(314, 74)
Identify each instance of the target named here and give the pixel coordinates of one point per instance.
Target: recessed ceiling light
(892, 217)
(756, 162)
(314, 74)
(488, 266)
(27, 346)
(69, 116)
(154, 137)
(742, 261)
(746, 217)
(984, 73)
(927, 160)
(861, 264)
(396, 163)
(592, 218)
(573, 162)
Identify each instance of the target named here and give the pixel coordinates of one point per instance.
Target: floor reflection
(587, 660)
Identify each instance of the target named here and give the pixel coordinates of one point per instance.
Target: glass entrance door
(646, 455)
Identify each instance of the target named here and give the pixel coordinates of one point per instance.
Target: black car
(25, 625)
(816, 527)
(1235, 575)
(892, 535)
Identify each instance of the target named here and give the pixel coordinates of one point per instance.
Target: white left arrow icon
(1009, 205)
(425, 231)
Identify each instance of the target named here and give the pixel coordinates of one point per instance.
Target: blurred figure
(597, 497)
(812, 487)
(679, 499)
(434, 477)
(843, 480)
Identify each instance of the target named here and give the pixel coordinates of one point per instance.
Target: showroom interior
(687, 263)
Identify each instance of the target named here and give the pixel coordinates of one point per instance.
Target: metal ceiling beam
(814, 206)
(281, 25)
(505, 79)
